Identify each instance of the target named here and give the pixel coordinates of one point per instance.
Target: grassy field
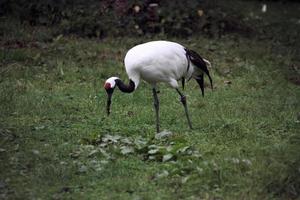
(57, 142)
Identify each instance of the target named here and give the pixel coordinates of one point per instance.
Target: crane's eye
(107, 86)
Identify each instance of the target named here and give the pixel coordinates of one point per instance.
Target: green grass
(57, 142)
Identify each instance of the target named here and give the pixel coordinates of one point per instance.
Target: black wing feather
(196, 59)
(200, 81)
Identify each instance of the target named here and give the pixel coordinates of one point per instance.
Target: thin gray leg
(156, 106)
(183, 101)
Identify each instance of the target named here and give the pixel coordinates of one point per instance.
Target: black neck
(125, 88)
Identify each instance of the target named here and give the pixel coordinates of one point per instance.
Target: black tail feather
(196, 59)
(200, 81)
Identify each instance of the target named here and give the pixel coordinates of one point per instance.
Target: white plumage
(157, 61)
(160, 61)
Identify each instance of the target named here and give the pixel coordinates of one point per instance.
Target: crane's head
(109, 86)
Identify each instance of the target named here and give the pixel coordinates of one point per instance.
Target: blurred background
(104, 18)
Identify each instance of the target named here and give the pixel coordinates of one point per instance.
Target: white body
(158, 61)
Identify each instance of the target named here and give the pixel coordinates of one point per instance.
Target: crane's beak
(109, 96)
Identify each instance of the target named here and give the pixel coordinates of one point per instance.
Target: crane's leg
(156, 106)
(183, 101)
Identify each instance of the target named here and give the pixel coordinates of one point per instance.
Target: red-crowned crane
(160, 61)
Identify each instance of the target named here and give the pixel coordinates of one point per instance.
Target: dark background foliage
(95, 18)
